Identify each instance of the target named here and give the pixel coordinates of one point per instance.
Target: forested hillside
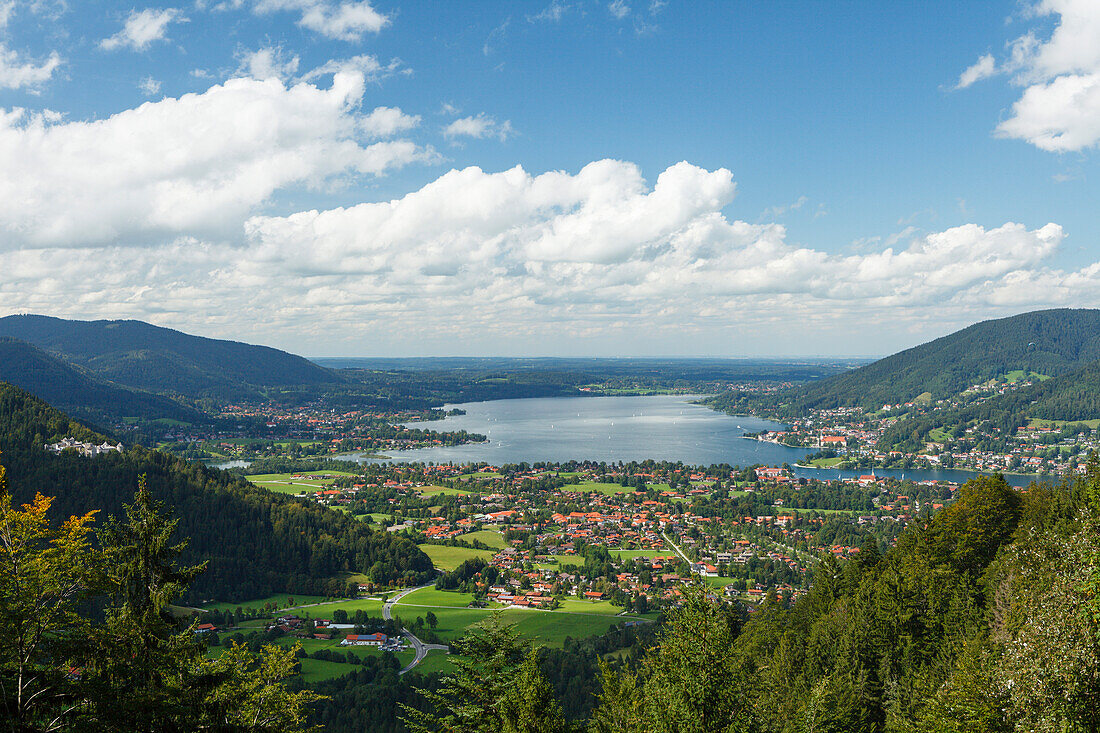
(257, 542)
(71, 389)
(1051, 342)
(140, 355)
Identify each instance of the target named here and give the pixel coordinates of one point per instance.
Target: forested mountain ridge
(72, 389)
(144, 356)
(256, 542)
(1050, 342)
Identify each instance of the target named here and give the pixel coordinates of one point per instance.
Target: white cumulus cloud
(269, 62)
(983, 68)
(538, 259)
(149, 86)
(387, 122)
(479, 126)
(194, 164)
(143, 28)
(1059, 109)
(16, 72)
(344, 21)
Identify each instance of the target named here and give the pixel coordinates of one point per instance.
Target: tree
(431, 619)
(149, 671)
(621, 705)
(250, 695)
(692, 680)
(145, 653)
(496, 687)
(45, 574)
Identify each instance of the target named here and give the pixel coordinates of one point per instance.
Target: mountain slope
(144, 356)
(70, 389)
(257, 542)
(1051, 342)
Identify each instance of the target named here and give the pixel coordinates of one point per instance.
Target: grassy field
(608, 489)
(435, 663)
(575, 618)
(939, 435)
(632, 554)
(316, 670)
(719, 582)
(563, 561)
(823, 463)
(1037, 423)
(449, 558)
(433, 597)
(576, 605)
(551, 629)
(279, 600)
(486, 536)
(282, 482)
(373, 606)
(1017, 375)
(437, 490)
(599, 488)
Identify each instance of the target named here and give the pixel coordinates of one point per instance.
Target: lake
(662, 427)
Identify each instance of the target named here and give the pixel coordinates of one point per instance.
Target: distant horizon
(670, 357)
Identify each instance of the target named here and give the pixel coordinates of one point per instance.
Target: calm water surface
(664, 427)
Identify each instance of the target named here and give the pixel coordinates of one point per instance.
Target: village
(634, 535)
(849, 437)
(258, 431)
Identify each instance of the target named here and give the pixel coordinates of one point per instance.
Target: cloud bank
(196, 165)
(557, 255)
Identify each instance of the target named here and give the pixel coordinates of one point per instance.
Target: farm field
(435, 663)
(433, 597)
(373, 606)
(437, 490)
(575, 618)
(563, 561)
(285, 484)
(449, 558)
(599, 488)
(632, 554)
(823, 463)
(487, 536)
(281, 601)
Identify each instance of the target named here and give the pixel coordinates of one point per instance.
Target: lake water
(663, 427)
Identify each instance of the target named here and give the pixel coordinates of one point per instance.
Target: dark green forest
(1051, 342)
(257, 542)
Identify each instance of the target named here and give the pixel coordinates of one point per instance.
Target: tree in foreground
(46, 573)
(141, 669)
(496, 687)
(690, 682)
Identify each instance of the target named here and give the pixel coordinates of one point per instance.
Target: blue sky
(338, 177)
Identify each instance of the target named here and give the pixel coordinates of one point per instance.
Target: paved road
(420, 647)
(678, 550)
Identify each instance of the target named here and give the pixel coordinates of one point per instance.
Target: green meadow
(449, 558)
(487, 536)
(281, 600)
(284, 484)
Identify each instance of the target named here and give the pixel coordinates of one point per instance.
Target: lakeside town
(633, 534)
(851, 437)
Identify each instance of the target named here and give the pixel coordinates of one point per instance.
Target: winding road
(420, 647)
